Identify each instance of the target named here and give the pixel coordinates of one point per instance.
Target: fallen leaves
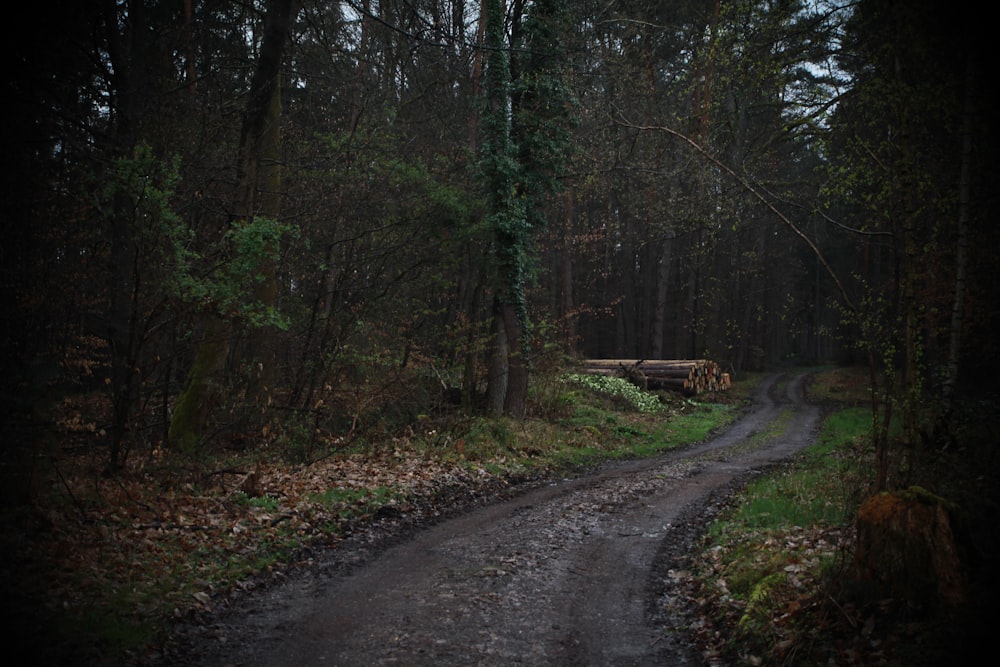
(163, 539)
(785, 613)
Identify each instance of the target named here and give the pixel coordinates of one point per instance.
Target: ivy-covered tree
(525, 121)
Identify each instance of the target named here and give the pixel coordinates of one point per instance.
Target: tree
(127, 55)
(258, 141)
(693, 262)
(136, 200)
(53, 274)
(524, 125)
(898, 158)
(507, 218)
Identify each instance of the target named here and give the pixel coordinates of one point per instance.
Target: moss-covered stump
(906, 549)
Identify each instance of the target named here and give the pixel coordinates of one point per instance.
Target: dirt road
(572, 572)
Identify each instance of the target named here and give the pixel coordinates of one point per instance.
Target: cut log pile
(688, 376)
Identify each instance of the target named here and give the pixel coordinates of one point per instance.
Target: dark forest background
(232, 219)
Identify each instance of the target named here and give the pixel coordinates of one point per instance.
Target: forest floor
(573, 571)
(396, 557)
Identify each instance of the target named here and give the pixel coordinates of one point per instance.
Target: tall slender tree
(258, 143)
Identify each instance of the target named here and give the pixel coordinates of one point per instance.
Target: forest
(302, 224)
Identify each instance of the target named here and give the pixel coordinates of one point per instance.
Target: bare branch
(758, 194)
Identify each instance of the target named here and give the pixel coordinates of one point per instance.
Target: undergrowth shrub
(619, 389)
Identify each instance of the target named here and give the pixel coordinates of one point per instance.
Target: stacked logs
(688, 376)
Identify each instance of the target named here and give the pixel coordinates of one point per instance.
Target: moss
(192, 406)
(922, 495)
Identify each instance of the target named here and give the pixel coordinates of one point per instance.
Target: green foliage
(552, 397)
(163, 240)
(545, 109)
(426, 192)
(620, 388)
(255, 249)
(893, 161)
(166, 246)
(757, 612)
(500, 171)
(393, 249)
(525, 144)
(496, 433)
(296, 438)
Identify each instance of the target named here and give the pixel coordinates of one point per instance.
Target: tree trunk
(961, 251)
(477, 75)
(260, 352)
(516, 397)
(907, 550)
(496, 385)
(472, 351)
(662, 292)
(127, 58)
(195, 403)
(190, 418)
(471, 356)
(509, 219)
(567, 314)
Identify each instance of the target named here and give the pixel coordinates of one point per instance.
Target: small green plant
(484, 439)
(266, 502)
(759, 601)
(552, 398)
(351, 502)
(296, 439)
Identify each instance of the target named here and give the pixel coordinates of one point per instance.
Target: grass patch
(848, 386)
(265, 502)
(779, 542)
(695, 425)
(119, 632)
(355, 502)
